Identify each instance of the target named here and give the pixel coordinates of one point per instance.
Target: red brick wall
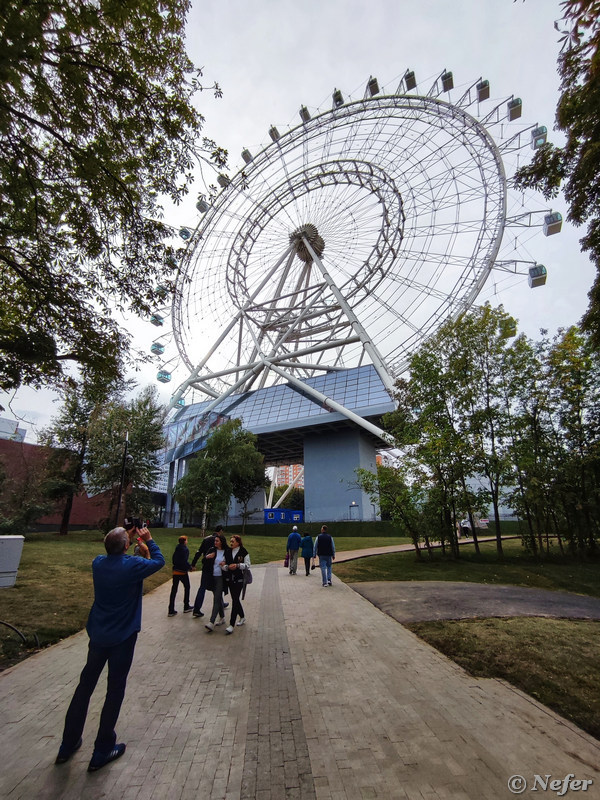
(20, 459)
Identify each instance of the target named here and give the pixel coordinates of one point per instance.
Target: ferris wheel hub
(310, 233)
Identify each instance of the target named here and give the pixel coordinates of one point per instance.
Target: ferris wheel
(349, 238)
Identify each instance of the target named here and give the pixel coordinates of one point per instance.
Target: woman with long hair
(237, 561)
(214, 562)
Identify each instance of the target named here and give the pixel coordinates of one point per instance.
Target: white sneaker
(241, 621)
(209, 626)
(220, 621)
(229, 629)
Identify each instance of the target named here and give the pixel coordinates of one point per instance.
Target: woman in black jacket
(237, 561)
(213, 572)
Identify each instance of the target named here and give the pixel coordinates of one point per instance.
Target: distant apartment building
(9, 429)
(285, 475)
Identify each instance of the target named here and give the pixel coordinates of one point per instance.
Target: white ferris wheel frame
(288, 315)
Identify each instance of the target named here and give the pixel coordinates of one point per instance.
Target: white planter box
(11, 548)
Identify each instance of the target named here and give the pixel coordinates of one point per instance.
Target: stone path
(320, 695)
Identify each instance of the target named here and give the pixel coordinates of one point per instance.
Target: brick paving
(320, 695)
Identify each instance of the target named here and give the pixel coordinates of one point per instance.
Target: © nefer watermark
(543, 783)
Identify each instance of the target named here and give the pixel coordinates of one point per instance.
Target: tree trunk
(429, 547)
(497, 525)
(64, 524)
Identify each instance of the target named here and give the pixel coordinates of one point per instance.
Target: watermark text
(546, 783)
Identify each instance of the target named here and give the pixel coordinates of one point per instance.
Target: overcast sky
(272, 56)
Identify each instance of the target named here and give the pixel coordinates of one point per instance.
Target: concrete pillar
(330, 488)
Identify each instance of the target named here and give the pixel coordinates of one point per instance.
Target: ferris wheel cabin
(537, 275)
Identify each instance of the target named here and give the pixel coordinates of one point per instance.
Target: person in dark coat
(325, 549)
(207, 543)
(113, 625)
(306, 548)
(212, 570)
(181, 570)
(237, 561)
(293, 545)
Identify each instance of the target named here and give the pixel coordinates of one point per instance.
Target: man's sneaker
(197, 614)
(209, 626)
(329, 583)
(220, 621)
(100, 760)
(187, 610)
(65, 753)
(241, 621)
(225, 605)
(171, 613)
(229, 629)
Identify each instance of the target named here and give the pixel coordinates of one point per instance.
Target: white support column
(272, 489)
(334, 406)
(373, 352)
(289, 489)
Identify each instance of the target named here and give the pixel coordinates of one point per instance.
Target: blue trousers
(119, 658)
(325, 564)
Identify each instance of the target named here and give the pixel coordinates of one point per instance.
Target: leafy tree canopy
(576, 166)
(97, 129)
(230, 464)
(141, 420)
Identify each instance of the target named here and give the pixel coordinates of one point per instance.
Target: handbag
(247, 580)
(286, 560)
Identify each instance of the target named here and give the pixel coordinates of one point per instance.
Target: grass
(54, 592)
(518, 569)
(553, 660)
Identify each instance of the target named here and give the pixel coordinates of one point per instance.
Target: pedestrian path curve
(320, 695)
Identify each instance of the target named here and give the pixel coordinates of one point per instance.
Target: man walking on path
(113, 625)
(293, 545)
(325, 549)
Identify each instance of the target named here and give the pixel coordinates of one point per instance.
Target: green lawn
(518, 569)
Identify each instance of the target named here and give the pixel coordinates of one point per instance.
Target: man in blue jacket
(113, 625)
(293, 545)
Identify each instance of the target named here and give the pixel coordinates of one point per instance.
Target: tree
(576, 166)
(97, 130)
(248, 473)
(141, 420)
(68, 437)
(401, 497)
(229, 463)
(480, 382)
(22, 496)
(294, 500)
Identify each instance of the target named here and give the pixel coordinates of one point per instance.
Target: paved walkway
(420, 601)
(320, 695)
